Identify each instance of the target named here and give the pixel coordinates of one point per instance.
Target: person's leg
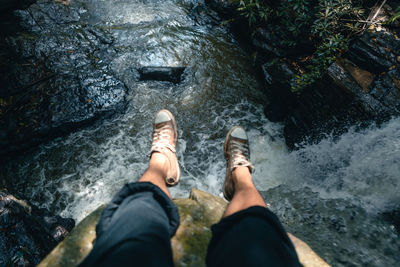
(249, 234)
(246, 195)
(140, 220)
(157, 171)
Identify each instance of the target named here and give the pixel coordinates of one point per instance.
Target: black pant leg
(252, 237)
(135, 229)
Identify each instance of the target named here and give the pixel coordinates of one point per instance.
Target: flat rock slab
(189, 245)
(169, 74)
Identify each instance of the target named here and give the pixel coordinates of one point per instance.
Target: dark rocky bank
(56, 74)
(362, 86)
(27, 233)
(53, 77)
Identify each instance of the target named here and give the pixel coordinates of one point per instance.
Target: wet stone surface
(170, 74)
(356, 238)
(368, 92)
(56, 75)
(361, 87)
(375, 51)
(28, 233)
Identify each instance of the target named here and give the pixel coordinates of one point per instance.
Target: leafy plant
(255, 10)
(328, 25)
(396, 15)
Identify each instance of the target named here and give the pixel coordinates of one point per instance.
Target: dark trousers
(136, 227)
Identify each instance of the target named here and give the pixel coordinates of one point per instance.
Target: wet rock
(28, 233)
(77, 245)
(324, 224)
(189, 245)
(375, 51)
(268, 41)
(225, 8)
(393, 216)
(278, 78)
(386, 89)
(350, 92)
(362, 77)
(265, 40)
(331, 103)
(237, 23)
(10, 5)
(341, 98)
(205, 16)
(169, 74)
(346, 95)
(357, 82)
(358, 89)
(55, 75)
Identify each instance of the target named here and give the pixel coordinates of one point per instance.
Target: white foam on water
(133, 12)
(363, 166)
(76, 174)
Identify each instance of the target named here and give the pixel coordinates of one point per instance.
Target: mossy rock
(198, 213)
(189, 245)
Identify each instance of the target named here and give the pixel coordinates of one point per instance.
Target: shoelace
(161, 139)
(240, 154)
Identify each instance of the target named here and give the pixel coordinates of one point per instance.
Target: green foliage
(396, 16)
(324, 56)
(255, 11)
(327, 25)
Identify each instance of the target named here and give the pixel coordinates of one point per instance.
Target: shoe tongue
(162, 117)
(239, 133)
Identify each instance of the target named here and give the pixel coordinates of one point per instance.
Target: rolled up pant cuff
(133, 188)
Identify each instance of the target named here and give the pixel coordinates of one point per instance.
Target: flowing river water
(73, 175)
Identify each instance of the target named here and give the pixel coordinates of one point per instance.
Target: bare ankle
(241, 177)
(160, 162)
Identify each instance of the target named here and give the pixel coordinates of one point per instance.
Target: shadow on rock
(28, 233)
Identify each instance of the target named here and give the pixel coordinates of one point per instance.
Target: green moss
(195, 246)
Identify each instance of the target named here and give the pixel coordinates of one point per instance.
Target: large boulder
(27, 233)
(55, 74)
(197, 213)
(361, 86)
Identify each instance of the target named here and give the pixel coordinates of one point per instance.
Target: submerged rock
(28, 233)
(189, 245)
(169, 74)
(342, 233)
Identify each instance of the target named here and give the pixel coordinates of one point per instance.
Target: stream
(74, 174)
